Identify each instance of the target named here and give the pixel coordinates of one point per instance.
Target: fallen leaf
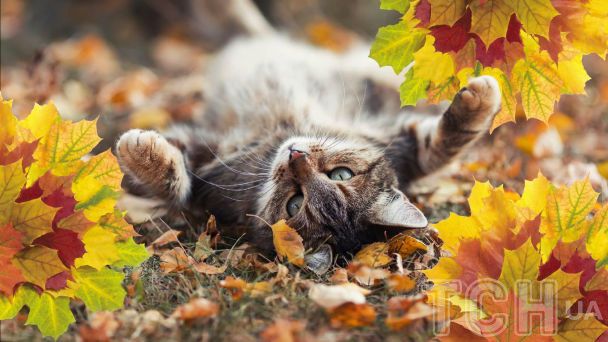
(352, 315)
(196, 308)
(374, 255)
(288, 243)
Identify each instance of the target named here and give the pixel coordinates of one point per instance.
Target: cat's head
(339, 191)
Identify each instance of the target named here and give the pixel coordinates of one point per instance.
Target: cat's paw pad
(482, 94)
(145, 152)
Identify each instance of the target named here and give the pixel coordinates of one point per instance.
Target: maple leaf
(100, 245)
(533, 48)
(395, 45)
(587, 328)
(565, 214)
(490, 19)
(535, 15)
(38, 263)
(597, 235)
(98, 289)
(400, 6)
(446, 12)
(51, 315)
(58, 223)
(288, 243)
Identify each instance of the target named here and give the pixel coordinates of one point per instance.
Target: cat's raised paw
(151, 159)
(481, 94)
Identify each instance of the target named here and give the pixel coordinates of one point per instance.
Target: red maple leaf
(66, 242)
(453, 38)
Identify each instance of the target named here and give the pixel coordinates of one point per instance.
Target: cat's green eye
(294, 204)
(341, 174)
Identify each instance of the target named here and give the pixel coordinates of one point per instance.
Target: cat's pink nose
(295, 154)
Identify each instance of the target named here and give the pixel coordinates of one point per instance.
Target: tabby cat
(298, 133)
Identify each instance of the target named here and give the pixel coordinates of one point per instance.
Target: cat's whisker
(225, 187)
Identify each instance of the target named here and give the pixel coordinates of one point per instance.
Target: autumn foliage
(60, 236)
(534, 48)
(511, 247)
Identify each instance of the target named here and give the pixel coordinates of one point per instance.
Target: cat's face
(336, 191)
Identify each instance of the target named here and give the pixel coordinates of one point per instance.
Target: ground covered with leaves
(199, 286)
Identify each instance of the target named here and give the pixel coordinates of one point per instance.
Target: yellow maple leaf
(565, 214)
(537, 78)
(38, 263)
(446, 12)
(535, 194)
(8, 122)
(94, 198)
(567, 290)
(104, 168)
(33, 218)
(597, 237)
(446, 270)
(520, 264)
(12, 180)
(534, 15)
(585, 328)
(432, 65)
(62, 147)
(40, 120)
(288, 243)
(100, 249)
(490, 19)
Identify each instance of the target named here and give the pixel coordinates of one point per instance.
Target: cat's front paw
(481, 94)
(153, 161)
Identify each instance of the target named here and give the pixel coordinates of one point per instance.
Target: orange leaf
(288, 243)
(196, 308)
(352, 315)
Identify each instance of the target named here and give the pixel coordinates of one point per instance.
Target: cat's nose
(295, 154)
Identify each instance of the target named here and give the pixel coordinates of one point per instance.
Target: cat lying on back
(292, 132)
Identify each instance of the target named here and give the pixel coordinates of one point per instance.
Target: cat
(298, 133)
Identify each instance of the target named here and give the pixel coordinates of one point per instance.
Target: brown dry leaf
(374, 255)
(196, 308)
(102, 327)
(352, 315)
(207, 241)
(174, 260)
(288, 243)
(283, 330)
(166, 238)
(202, 267)
(406, 245)
(332, 296)
(401, 283)
(367, 276)
(403, 311)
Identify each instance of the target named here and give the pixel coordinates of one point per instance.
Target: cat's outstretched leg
(155, 165)
(437, 140)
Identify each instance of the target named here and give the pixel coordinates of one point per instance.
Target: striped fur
(268, 96)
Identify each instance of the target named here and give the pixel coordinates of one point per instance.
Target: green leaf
(130, 253)
(395, 45)
(412, 89)
(400, 6)
(99, 290)
(10, 307)
(51, 315)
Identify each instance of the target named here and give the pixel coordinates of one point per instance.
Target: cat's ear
(393, 209)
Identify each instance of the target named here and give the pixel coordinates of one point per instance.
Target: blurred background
(138, 63)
